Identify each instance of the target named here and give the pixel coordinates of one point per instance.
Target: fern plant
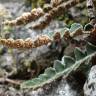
(75, 30)
(68, 63)
(62, 68)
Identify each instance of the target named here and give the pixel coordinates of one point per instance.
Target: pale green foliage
(62, 69)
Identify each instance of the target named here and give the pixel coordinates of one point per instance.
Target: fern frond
(27, 43)
(26, 17)
(56, 11)
(75, 30)
(60, 69)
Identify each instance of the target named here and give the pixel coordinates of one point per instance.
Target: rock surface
(41, 56)
(90, 84)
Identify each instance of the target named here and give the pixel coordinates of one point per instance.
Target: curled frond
(67, 34)
(26, 17)
(56, 11)
(27, 43)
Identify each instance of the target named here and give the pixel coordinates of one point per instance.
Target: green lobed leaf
(69, 61)
(88, 27)
(79, 54)
(76, 26)
(43, 77)
(58, 66)
(50, 72)
(90, 48)
(59, 69)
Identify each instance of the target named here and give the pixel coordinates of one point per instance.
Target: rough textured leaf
(58, 66)
(68, 61)
(79, 54)
(88, 27)
(76, 26)
(51, 34)
(59, 69)
(43, 77)
(90, 48)
(50, 72)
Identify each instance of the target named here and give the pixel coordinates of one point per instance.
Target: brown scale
(57, 36)
(48, 18)
(42, 24)
(55, 2)
(56, 11)
(29, 43)
(41, 40)
(66, 35)
(45, 22)
(19, 43)
(25, 18)
(39, 12)
(34, 13)
(19, 21)
(3, 41)
(44, 40)
(11, 23)
(9, 43)
(36, 43)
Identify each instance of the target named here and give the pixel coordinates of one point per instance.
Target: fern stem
(56, 11)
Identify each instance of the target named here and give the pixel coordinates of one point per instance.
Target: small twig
(6, 80)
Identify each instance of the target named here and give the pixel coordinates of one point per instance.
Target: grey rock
(90, 84)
